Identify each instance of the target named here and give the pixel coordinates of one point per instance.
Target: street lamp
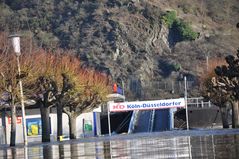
(16, 46)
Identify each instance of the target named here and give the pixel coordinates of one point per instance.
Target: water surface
(148, 146)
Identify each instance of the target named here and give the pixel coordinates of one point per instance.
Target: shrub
(177, 67)
(179, 27)
(185, 30)
(169, 18)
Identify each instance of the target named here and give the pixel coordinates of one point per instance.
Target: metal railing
(198, 102)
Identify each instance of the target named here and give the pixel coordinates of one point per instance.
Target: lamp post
(16, 46)
(186, 99)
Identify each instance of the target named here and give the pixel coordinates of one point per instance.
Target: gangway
(151, 121)
(161, 120)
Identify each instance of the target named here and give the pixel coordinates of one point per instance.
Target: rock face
(129, 40)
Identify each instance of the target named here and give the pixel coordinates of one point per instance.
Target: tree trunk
(224, 115)
(72, 125)
(59, 120)
(13, 126)
(235, 113)
(45, 111)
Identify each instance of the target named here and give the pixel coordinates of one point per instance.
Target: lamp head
(16, 43)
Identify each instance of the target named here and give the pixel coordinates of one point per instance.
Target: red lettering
(9, 120)
(119, 106)
(19, 120)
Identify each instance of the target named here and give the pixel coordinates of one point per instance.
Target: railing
(133, 121)
(198, 102)
(151, 121)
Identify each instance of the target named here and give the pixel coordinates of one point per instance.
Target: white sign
(147, 105)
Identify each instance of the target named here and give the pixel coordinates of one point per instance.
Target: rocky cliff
(130, 40)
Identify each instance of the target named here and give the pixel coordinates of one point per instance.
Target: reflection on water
(47, 152)
(217, 146)
(107, 149)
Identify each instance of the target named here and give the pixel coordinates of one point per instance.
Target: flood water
(148, 146)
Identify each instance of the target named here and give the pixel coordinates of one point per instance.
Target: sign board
(147, 105)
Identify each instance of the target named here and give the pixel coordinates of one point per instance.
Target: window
(34, 126)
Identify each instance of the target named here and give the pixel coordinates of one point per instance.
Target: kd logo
(118, 106)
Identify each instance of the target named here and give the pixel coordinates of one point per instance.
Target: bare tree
(213, 92)
(227, 80)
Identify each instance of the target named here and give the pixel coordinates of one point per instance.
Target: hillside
(133, 41)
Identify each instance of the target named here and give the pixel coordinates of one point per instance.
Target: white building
(91, 121)
(33, 123)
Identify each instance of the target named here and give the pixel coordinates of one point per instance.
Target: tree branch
(66, 111)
